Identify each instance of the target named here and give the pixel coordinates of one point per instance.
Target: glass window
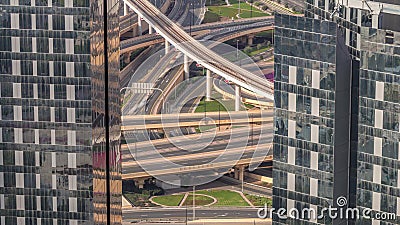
(8, 134)
(5, 65)
(27, 90)
(27, 113)
(45, 136)
(58, 22)
(59, 68)
(41, 20)
(59, 45)
(60, 114)
(61, 137)
(26, 67)
(43, 68)
(44, 114)
(389, 148)
(41, 2)
(42, 45)
(389, 177)
(43, 91)
(6, 89)
(365, 171)
(59, 3)
(25, 2)
(5, 43)
(60, 91)
(7, 112)
(25, 21)
(28, 136)
(25, 44)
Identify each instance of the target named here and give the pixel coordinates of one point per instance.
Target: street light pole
(194, 203)
(190, 24)
(251, 129)
(251, 9)
(242, 182)
(193, 12)
(186, 215)
(237, 50)
(219, 116)
(239, 10)
(205, 107)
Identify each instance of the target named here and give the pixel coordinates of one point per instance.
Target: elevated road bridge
(159, 121)
(254, 26)
(199, 53)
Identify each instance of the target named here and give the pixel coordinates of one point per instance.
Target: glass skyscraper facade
(311, 62)
(59, 112)
(371, 172)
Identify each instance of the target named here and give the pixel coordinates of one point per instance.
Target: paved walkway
(125, 203)
(183, 199)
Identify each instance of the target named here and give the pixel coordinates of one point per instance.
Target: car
(228, 81)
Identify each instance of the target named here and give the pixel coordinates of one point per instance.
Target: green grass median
(259, 200)
(168, 200)
(200, 200)
(225, 197)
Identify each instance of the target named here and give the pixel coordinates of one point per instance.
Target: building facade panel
(379, 134)
(308, 95)
(47, 112)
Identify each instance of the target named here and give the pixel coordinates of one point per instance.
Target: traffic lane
(201, 160)
(203, 118)
(175, 148)
(196, 138)
(172, 151)
(212, 213)
(230, 89)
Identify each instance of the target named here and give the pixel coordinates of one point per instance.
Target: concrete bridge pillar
(250, 39)
(150, 29)
(237, 97)
(208, 83)
(375, 19)
(239, 173)
(186, 66)
(139, 26)
(140, 183)
(125, 9)
(127, 57)
(167, 45)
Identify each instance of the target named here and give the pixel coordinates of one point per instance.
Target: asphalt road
(181, 213)
(169, 149)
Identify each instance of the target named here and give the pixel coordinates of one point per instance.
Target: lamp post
(186, 215)
(191, 18)
(193, 13)
(239, 10)
(237, 49)
(251, 9)
(194, 203)
(219, 116)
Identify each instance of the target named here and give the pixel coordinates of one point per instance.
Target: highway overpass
(199, 53)
(255, 26)
(210, 154)
(159, 121)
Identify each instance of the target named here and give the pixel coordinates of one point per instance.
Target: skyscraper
(311, 106)
(59, 112)
(369, 160)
